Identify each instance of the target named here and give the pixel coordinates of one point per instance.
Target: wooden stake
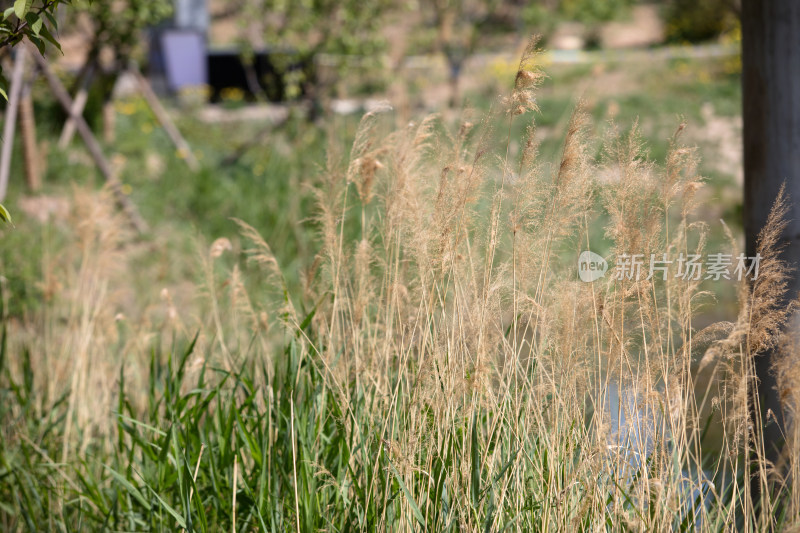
(164, 119)
(30, 148)
(11, 121)
(78, 105)
(92, 145)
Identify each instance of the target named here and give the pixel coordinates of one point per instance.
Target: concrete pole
(192, 15)
(771, 112)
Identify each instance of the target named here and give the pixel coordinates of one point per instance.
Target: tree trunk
(771, 112)
(454, 66)
(313, 89)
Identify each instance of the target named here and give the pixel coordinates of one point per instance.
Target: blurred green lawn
(269, 186)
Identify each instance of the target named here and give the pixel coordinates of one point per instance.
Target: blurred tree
(296, 33)
(116, 25)
(115, 36)
(693, 21)
(463, 25)
(459, 25)
(22, 20)
(592, 14)
(540, 17)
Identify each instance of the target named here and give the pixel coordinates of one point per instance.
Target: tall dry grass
(447, 369)
(458, 312)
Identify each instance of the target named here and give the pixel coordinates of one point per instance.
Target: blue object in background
(185, 63)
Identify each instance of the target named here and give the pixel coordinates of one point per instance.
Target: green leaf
(4, 215)
(21, 8)
(409, 497)
(167, 507)
(133, 491)
(49, 36)
(35, 22)
(51, 19)
(38, 42)
(7, 13)
(475, 454)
